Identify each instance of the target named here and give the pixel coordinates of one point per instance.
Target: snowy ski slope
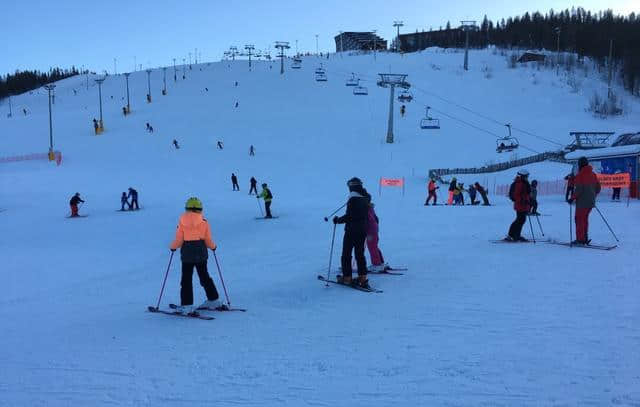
(470, 323)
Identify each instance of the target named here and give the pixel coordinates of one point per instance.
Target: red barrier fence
(32, 157)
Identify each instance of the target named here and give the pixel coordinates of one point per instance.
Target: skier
(124, 110)
(534, 198)
(267, 196)
(73, 203)
(587, 188)
(96, 127)
(220, 147)
(355, 233)
(483, 194)
(234, 182)
(148, 127)
(520, 194)
(252, 150)
(236, 104)
(124, 200)
(134, 199)
(616, 191)
(472, 195)
(432, 192)
(377, 261)
(175, 144)
(570, 178)
(253, 182)
(402, 110)
(193, 237)
(452, 188)
(151, 129)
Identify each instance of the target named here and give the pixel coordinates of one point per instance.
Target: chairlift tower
(10, 112)
(391, 81)
(557, 30)
(99, 82)
(164, 80)
(148, 85)
(234, 51)
(466, 26)
(126, 77)
(282, 46)
(50, 88)
(249, 48)
(398, 24)
(175, 73)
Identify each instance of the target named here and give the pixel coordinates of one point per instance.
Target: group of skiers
(361, 225)
(124, 199)
(265, 194)
(582, 189)
(456, 193)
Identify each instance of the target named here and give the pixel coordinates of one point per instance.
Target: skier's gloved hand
(173, 250)
(335, 220)
(570, 201)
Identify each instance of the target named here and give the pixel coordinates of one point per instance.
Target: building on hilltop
(359, 41)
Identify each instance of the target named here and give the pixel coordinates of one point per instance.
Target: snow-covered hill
(470, 323)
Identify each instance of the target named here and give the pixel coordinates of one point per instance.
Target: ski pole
(164, 281)
(540, 224)
(333, 238)
(531, 226)
(260, 207)
(570, 226)
(607, 223)
(326, 218)
(222, 279)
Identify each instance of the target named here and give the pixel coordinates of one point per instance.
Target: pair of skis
(195, 314)
(556, 242)
(389, 271)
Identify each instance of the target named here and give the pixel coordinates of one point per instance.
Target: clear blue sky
(38, 34)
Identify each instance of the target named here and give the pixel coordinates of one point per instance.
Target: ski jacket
(432, 186)
(587, 187)
(534, 193)
(372, 222)
(520, 194)
(74, 200)
(452, 185)
(124, 198)
(355, 219)
(193, 237)
(266, 195)
(253, 181)
(133, 194)
(472, 192)
(234, 179)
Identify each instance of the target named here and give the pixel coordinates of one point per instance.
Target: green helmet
(193, 203)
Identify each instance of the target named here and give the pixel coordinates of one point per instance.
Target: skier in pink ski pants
(377, 262)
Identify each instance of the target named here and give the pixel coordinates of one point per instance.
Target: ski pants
(235, 186)
(432, 194)
(450, 200)
(374, 251)
(473, 199)
(186, 286)
(74, 210)
(353, 241)
(582, 224)
(134, 202)
(124, 202)
(515, 231)
(534, 206)
(485, 200)
(253, 188)
(267, 208)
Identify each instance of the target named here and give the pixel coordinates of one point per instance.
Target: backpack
(512, 190)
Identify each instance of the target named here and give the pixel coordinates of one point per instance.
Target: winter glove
(335, 220)
(570, 201)
(173, 250)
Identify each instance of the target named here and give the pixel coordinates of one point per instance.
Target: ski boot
(363, 282)
(342, 279)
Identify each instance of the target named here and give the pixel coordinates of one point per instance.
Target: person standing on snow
(175, 144)
(124, 200)
(355, 233)
(234, 182)
(483, 193)
(452, 188)
(472, 195)
(267, 196)
(432, 192)
(193, 237)
(252, 151)
(253, 182)
(403, 109)
(520, 194)
(570, 186)
(587, 188)
(73, 203)
(534, 197)
(133, 194)
(377, 261)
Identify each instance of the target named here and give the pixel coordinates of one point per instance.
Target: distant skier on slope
(193, 237)
(175, 144)
(253, 182)
(520, 194)
(219, 145)
(431, 188)
(403, 109)
(452, 188)
(234, 182)
(267, 196)
(472, 195)
(587, 188)
(252, 151)
(124, 200)
(73, 203)
(133, 194)
(483, 193)
(355, 233)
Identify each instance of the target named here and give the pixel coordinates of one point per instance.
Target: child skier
(534, 198)
(124, 200)
(355, 233)
(267, 196)
(472, 195)
(73, 203)
(452, 188)
(377, 261)
(193, 237)
(432, 192)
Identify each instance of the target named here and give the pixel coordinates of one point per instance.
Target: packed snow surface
(470, 323)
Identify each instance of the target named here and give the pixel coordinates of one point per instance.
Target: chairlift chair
(405, 96)
(353, 81)
(360, 90)
(321, 77)
(320, 70)
(297, 64)
(429, 123)
(507, 144)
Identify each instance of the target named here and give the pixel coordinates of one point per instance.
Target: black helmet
(582, 161)
(353, 182)
(264, 185)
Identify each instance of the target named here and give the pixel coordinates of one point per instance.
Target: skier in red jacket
(587, 188)
(519, 193)
(432, 192)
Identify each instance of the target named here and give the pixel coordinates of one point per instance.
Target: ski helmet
(355, 181)
(193, 204)
(582, 161)
(264, 185)
(523, 173)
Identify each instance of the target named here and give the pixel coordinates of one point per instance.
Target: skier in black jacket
(133, 194)
(253, 183)
(234, 182)
(355, 233)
